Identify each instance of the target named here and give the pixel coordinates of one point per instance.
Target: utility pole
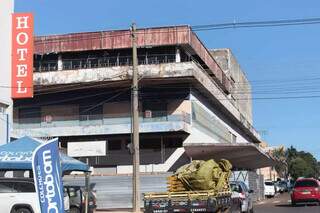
(135, 122)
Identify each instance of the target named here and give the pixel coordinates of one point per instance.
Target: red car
(306, 190)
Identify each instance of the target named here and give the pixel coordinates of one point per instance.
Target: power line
(105, 101)
(68, 99)
(253, 98)
(200, 27)
(270, 23)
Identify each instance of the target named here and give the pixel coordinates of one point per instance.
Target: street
(281, 204)
(115, 192)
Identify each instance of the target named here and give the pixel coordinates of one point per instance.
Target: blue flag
(48, 177)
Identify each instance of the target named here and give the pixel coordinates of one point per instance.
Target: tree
(281, 167)
(302, 164)
(299, 168)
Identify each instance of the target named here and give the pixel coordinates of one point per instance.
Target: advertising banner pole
(47, 176)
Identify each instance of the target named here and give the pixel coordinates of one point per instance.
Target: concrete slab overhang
(182, 36)
(241, 155)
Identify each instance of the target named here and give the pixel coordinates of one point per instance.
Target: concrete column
(178, 56)
(162, 150)
(60, 64)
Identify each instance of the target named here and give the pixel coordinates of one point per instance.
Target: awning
(17, 155)
(241, 155)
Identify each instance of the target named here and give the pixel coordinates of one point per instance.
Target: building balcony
(77, 125)
(101, 62)
(176, 72)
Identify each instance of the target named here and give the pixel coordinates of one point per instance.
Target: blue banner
(48, 178)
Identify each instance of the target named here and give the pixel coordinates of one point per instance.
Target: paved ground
(282, 204)
(115, 192)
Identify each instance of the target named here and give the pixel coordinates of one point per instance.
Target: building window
(172, 142)
(114, 145)
(233, 138)
(90, 112)
(30, 115)
(150, 143)
(154, 109)
(2, 109)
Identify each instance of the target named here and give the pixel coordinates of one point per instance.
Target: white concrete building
(188, 95)
(6, 9)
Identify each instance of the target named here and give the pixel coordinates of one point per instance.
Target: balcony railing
(98, 62)
(48, 121)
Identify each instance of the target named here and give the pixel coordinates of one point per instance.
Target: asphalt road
(282, 204)
(115, 192)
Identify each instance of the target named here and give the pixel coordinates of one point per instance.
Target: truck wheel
(74, 210)
(23, 210)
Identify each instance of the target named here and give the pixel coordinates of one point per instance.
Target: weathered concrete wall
(112, 74)
(6, 9)
(219, 131)
(179, 107)
(67, 129)
(114, 109)
(241, 90)
(171, 70)
(160, 71)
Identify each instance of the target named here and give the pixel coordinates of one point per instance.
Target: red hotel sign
(22, 55)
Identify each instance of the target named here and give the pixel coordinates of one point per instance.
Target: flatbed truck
(191, 201)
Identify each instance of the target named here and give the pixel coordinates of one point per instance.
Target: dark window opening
(150, 143)
(306, 183)
(30, 115)
(114, 145)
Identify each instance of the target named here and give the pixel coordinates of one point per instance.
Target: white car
(269, 189)
(17, 195)
(241, 191)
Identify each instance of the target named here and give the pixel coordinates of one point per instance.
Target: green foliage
(281, 168)
(302, 164)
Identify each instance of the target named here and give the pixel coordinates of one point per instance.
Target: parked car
(306, 190)
(77, 199)
(283, 186)
(18, 195)
(277, 186)
(290, 185)
(269, 189)
(241, 191)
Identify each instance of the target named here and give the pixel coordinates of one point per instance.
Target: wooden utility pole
(135, 122)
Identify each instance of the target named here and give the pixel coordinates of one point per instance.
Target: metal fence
(98, 62)
(47, 121)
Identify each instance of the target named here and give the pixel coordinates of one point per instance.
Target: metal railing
(98, 62)
(48, 121)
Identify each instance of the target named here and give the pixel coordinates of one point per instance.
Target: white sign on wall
(87, 149)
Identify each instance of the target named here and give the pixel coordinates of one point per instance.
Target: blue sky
(276, 58)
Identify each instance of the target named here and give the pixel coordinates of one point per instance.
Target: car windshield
(306, 183)
(235, 187)
(268, 183)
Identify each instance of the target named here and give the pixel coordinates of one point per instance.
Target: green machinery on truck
(201, 186)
